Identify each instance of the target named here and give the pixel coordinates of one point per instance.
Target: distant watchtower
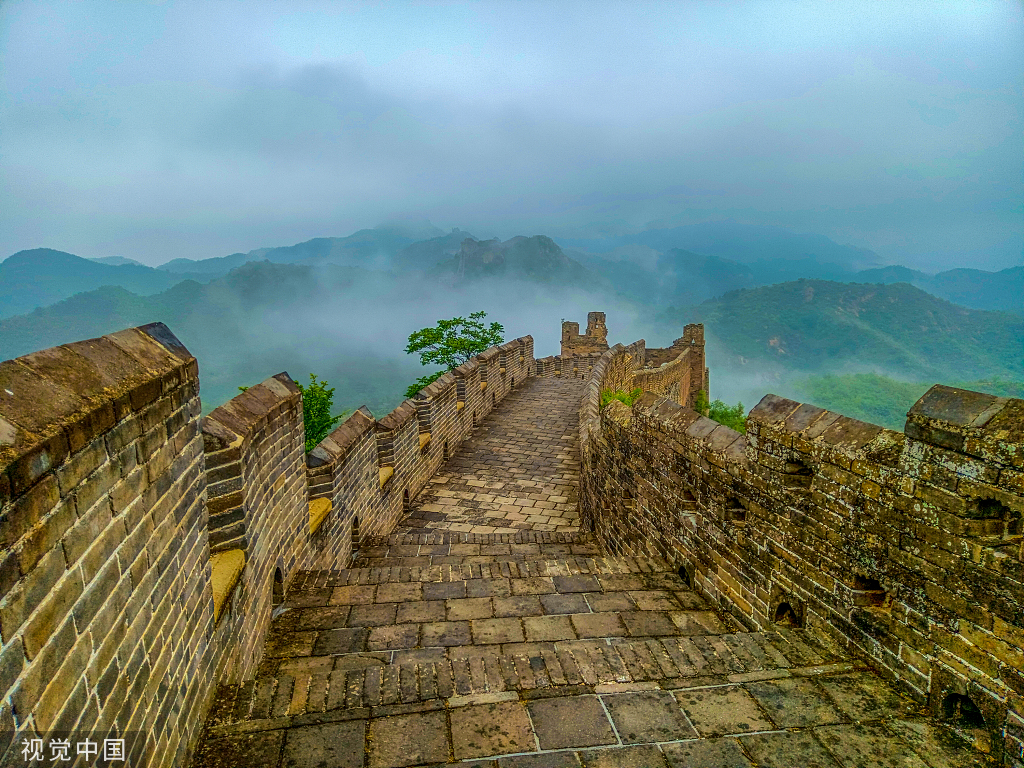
(594, 340)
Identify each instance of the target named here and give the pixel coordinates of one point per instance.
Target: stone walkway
(518, 471)
(530, 649)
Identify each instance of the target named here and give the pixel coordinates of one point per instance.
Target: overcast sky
(158, 130)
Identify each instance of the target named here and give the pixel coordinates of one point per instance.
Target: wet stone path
(518, 471)
(514, 646)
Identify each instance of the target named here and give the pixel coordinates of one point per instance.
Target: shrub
(731, 416)
(628, 398)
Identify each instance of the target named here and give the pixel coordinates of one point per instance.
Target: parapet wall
(144, 548)
(370, 470)
(904, 548)
(105, 610)
(259, 512)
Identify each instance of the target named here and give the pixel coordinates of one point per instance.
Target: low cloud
(898, 132)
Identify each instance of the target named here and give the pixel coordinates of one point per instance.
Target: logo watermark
(70, 749)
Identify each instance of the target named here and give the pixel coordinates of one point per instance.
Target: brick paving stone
(788, 749)
(444, 590)
(535, 585)
(328, 617)
(372, 615)
(399, 592)
(608, 601)
(488, 631)
(654, 600)
(488, 588)
(571, 603)
(722, 710)
(648, 623)
(289, 644)
(403, 740)
(697, 623)
(867, 746)
(938, 744)
(579, 583)
(794, 702)
(863, 696)
(622, 582)
(542, 760)
(552, 628)
(647, 716)
(393, 636)
(645, 756)
(491, 729)
(469, 608)
(336, 641)
(333, 745)
(261, 748)
(570, 721)
(445, 633)
(598, 625)
(419, 656)
(353, 594)
(423, 611)
(517, 605)
(707, 753)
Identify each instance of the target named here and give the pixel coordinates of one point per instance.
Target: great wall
(502, 573)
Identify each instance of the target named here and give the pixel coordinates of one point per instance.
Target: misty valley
(797, 315)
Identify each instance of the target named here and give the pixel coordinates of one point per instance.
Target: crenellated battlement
(595, 340)
(145, 549)
(904, 548)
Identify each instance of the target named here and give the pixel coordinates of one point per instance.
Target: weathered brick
(52, 612)
(42, 670)
(30, 592)
(81, 464)
(91, 523)
(45, 535)
(28, 510)
(96, 485)
(102, 549)
(66, 688)
(12, 661)
(123, 435)
(128, 489)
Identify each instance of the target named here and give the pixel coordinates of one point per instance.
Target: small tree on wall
(450, 344)
(317, 403)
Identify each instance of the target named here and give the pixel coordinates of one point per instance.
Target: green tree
(450, 344)
(700, 403)
(317, 403)
(732, 416)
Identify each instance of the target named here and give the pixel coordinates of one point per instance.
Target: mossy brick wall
(105, 601)
(256, 468)
(902, 547)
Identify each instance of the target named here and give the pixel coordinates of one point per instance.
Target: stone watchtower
(594, 340)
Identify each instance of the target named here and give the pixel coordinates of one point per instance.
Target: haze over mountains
(775, 304)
